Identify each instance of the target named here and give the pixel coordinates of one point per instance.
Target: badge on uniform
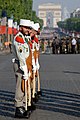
(26, 49)
(20, 49)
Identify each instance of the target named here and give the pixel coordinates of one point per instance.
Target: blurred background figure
(73, 45)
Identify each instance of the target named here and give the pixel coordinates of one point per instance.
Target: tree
(19, 9)
(71, 24)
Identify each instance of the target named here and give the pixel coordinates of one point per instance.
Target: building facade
(75, 13)
(50, 13)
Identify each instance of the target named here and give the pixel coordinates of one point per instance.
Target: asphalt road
(60, 84)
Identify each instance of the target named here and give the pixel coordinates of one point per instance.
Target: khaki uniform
(22, 52)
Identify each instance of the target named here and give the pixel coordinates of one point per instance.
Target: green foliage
(36, 19)
(19, 9)
(71, 24)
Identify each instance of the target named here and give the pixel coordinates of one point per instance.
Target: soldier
(33, 81)
(36, 31)
(39, 92)
(22, 50)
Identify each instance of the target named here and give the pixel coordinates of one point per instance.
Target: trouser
(73, 49)
(19, 95)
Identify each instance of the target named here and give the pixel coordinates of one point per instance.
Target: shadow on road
(6, 103)
(61, 102)
(71, 72)
(51, 100)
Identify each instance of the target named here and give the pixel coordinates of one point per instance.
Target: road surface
(60, 84)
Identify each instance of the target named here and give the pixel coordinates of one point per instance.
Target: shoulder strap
(19, 38)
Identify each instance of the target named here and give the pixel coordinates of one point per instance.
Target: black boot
(39, 93)
(36, 98)
(21, 113)
(32, 107)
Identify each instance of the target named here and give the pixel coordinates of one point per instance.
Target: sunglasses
(27, 27)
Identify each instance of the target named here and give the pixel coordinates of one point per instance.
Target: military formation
(26, 68)
(61, 45)
(66, 45)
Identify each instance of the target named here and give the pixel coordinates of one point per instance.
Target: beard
(38, 33)
(32, 37)
(27, 34)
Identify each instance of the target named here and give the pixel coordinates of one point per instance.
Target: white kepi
(24, 22)
(35, 26)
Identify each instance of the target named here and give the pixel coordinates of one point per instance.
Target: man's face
(32, 33)
(25, 30)
(38, 31)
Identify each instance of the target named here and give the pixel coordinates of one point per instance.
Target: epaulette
(19, 39)
(26, 40)
(36, 39)
(30, 43)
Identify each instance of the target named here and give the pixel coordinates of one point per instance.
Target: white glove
(37, 66)
(24, 69)
(34, 65)
(34, 69)
(25, 77)
(13, 60)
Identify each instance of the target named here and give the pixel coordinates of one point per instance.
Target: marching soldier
(22, 51)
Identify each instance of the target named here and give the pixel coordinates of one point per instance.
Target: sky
(71, 5)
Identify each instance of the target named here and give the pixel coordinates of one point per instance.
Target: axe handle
(25, 95)
(34, 85)
(38, 80)
(29, 92)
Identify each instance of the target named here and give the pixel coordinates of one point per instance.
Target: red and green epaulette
(19, 39)
(30, 44)
(36, 39)
(32, 41)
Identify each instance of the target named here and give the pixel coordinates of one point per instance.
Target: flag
(2, 29)
(3, 25)
(15, 28)
(10, 25)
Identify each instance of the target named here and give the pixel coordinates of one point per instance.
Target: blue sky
(71, 5)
